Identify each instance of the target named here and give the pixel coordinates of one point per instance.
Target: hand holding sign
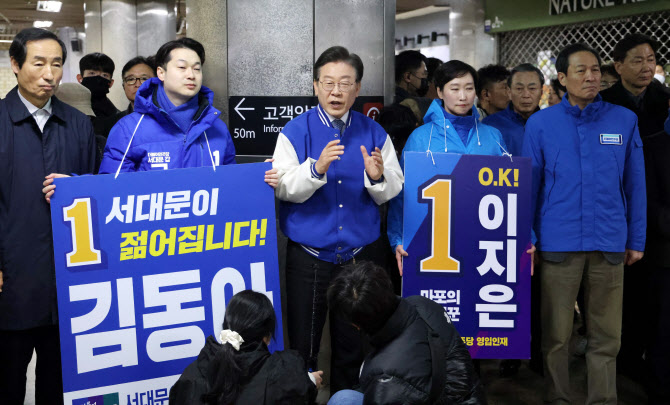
(374, 164)
(272, 175)
(50, 188)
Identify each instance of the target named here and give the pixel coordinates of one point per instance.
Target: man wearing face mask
(411, 80)
(95, 73)
(411, 75)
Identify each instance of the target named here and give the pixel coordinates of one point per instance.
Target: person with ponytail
(239, 369)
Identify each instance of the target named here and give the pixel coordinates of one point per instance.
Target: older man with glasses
(335, 166)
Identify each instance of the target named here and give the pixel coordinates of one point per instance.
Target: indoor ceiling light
(50, 6)
(42, 24)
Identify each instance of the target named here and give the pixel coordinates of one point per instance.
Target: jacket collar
(325, 120)
(589, 111)
(403, 316)
(145, 100)
(18, 111)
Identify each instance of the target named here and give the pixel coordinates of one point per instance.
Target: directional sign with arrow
(255, 122)
(238, 108)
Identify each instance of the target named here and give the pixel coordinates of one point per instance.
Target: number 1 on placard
(79, 215)
(439, 195)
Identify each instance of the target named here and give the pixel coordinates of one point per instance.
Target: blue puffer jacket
(438, 135)
(588, 178)
(159, 143)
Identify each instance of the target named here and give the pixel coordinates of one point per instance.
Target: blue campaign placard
(466, 229)
(145, 264)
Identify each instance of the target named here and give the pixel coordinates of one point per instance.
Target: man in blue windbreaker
(589, 210)
(335, 167)
(525, 88)
(174, 124)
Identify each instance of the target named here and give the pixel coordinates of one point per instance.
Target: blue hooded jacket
(439, 136)
(159, 144)
(588, 178)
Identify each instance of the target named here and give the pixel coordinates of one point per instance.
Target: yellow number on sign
(79, 215)
(440, 259)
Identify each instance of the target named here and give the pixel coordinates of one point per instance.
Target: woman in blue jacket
(451, 126)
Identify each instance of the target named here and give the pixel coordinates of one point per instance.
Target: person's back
(240, 369)
(418, 356)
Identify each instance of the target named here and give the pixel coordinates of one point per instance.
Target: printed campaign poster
(466, 229)
(145, 264)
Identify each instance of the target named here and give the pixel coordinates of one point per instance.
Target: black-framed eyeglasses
(132, 80)
(344, 87)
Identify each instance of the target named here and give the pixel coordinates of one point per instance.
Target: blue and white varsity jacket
(335, 216)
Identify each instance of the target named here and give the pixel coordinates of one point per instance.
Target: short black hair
(362, 294)
(19, 47)
(138, 60)
(525, 67)
(556, 85)
(489, 75)
(431, 65)
(608, 69)
(629, 42)
(451, 70)
(562, 60)
(339, 54)
(163, 54)
(407, 61)
(96, 61)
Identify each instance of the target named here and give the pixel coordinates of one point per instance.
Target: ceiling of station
(18, 14)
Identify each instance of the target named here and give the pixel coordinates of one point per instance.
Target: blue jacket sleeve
(395, 215)
(667, 124)
(117, 143)
(533, 150)
(636, 193)
(229, 153)
(394, 220)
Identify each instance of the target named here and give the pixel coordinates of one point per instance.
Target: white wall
(424, 25)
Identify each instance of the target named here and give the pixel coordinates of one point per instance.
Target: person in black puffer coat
(240, 369)
(418, 356)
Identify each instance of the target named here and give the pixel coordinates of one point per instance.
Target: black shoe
(509, 367)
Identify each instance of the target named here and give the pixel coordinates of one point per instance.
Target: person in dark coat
(39, 135)
(418, 356)
(635, 61)
(657, 300)
(239, 369)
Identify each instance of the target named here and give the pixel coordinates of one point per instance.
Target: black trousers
(16, 350)
(658, 351)
(635, 320)
(307, 280)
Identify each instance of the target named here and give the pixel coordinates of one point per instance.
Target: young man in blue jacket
(335, 167)
(589, 210)
(525, 89)
(174, 124)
